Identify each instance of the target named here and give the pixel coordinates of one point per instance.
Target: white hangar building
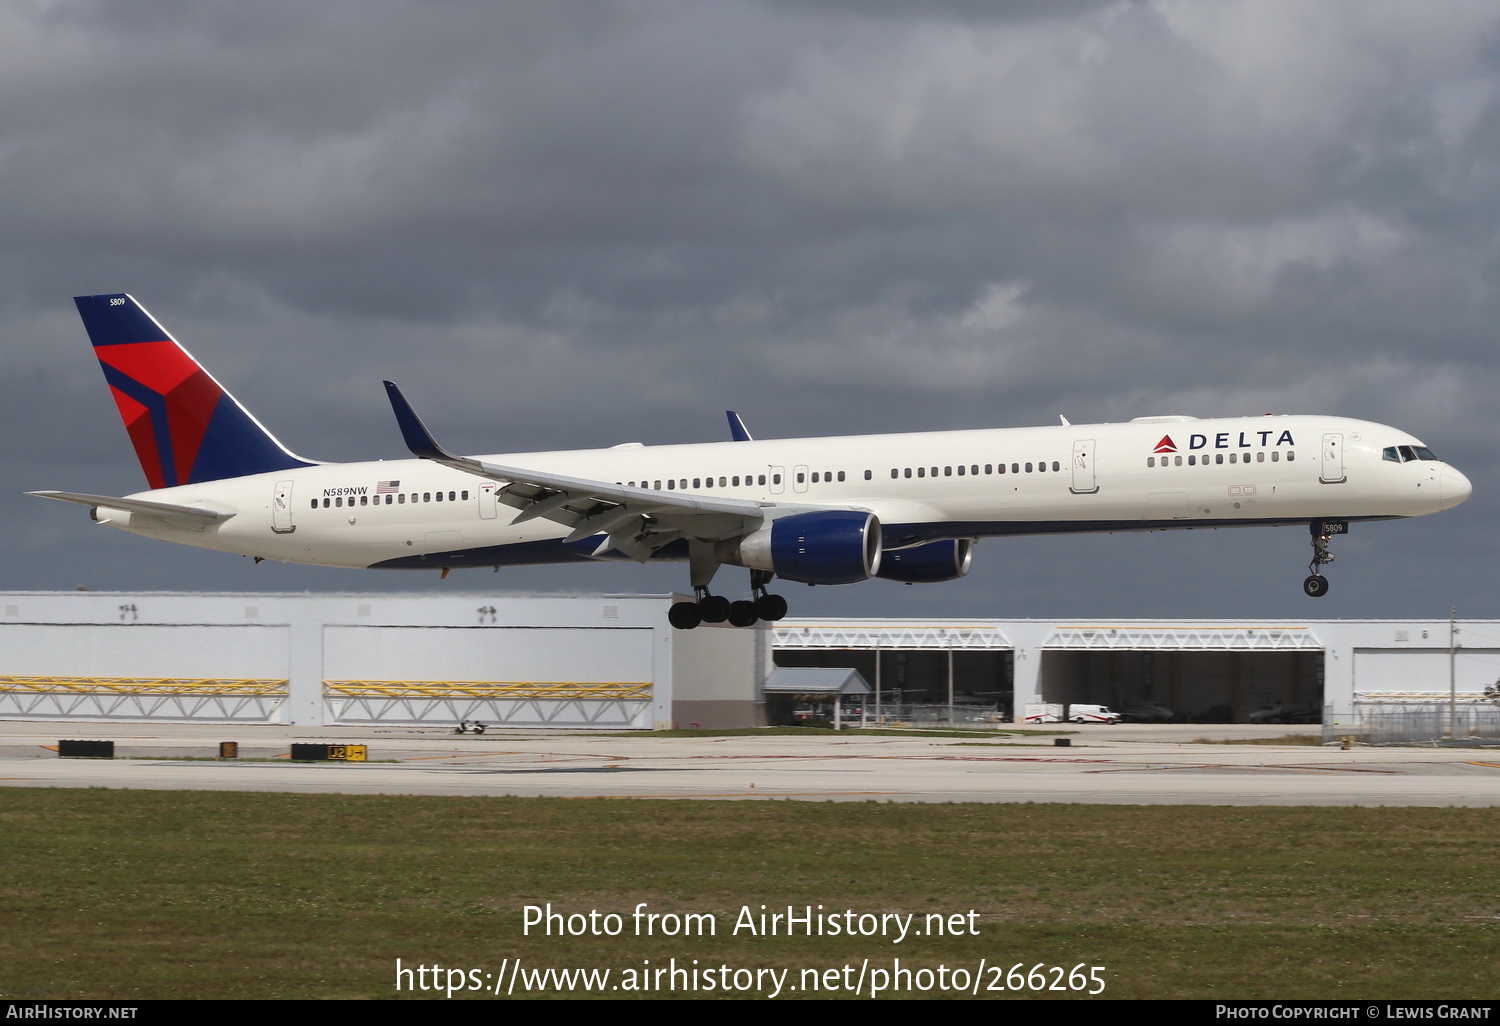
(613, 662)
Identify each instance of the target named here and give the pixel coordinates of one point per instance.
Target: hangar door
(1188, 675)
(517, 676)
(216, 673)
(1191, 687)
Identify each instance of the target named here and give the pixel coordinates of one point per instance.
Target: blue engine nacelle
(837, 546)
(928, 564)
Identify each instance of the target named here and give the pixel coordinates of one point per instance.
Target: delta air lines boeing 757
(905, 507)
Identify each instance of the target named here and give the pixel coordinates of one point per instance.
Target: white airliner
(905, 507)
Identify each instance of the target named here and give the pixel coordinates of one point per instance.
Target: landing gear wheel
(684, 615)
(771, 607)
(713, 608)
(743, 614)
(1316, 586)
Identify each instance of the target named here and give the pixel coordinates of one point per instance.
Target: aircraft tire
(771, 607)
(714, 608)
(743, 614)
(1316, 586)
(684, 615)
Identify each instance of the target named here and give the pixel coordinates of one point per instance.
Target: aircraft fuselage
(1160, 473)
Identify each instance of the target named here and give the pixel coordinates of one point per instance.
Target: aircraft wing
(637, 521)
(167, 510)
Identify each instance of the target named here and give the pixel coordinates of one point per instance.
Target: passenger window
(1260, 457)
(947, 471)
(440, 495)
(401, 498)
(1192, 461)
(464, 495)
(1218, 457)
(315, 504)
(1150, 461)
(921, 471)
(657, 486)
(1275, 456)
(908, 472)
(1015, 468)
(1232, 457)
(1056, 466)
(870, 475)
(801, 477)
(775, 479)
(1291, 454)
(960, 470)
(364, 500)
(1177, 460)
(1028, 468)
(339, 501)
(934, 471)
(1001, 468)
(974, 470)
(841, 474)
(721, 482)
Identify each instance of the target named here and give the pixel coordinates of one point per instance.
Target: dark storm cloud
(571, 224)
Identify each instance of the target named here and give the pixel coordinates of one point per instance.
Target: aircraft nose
(1453, 487)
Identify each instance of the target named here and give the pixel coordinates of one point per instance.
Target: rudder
(185, 426)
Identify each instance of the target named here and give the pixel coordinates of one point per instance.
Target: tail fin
(185, 427)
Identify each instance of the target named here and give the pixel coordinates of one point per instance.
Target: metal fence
(1415, 724)
(961, 716)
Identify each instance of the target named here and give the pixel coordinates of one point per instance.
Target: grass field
(119, 894)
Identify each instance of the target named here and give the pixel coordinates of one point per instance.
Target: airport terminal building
(614, 662)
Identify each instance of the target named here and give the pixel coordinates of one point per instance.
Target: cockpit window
(1407, 453)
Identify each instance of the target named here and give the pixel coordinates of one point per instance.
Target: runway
(1123, 765)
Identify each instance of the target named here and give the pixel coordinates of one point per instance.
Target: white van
(1051, 712)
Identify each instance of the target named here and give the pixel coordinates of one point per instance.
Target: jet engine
(929, 563)
(837, 546)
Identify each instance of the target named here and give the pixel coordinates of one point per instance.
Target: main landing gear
(1316, 585)
(708, 608)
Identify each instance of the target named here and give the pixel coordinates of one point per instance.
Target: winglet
(737, 427)
(418, 439)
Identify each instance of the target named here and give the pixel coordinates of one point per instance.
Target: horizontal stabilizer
(168, 510)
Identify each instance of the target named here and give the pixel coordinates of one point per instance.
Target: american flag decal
(387, 487)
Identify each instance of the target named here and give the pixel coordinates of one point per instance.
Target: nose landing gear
(1316, 585)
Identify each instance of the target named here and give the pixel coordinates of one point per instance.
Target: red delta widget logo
(1221, 440)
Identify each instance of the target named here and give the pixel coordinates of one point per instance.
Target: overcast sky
(568, 224)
